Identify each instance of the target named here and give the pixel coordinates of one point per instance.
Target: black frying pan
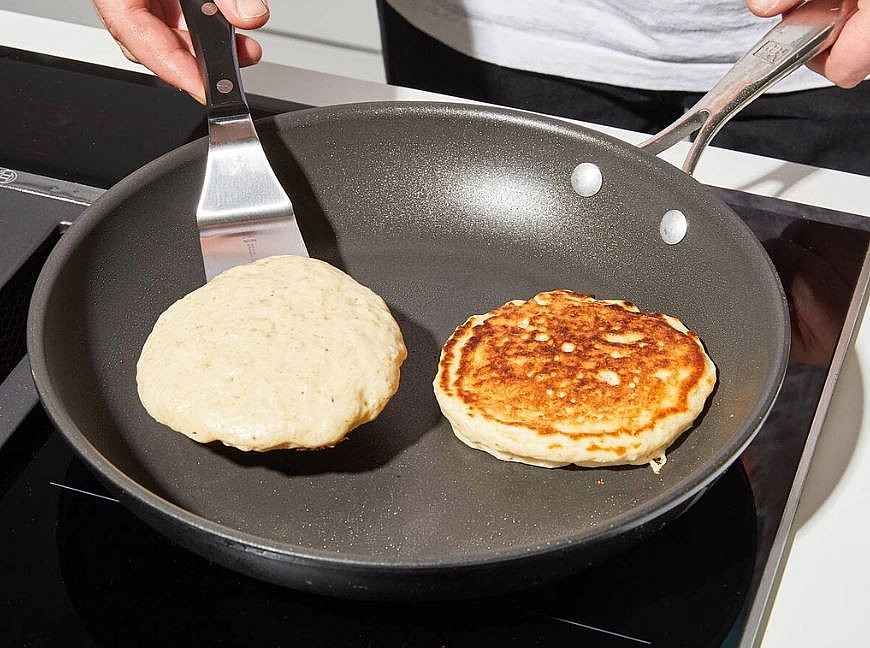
(444, 210)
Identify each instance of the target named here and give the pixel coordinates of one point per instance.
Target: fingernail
(198, 96)
(251, 8)
(763, 6)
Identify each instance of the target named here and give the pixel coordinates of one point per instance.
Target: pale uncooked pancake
(285, 352)
(564, 378)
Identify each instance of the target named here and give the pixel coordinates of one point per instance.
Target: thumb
(767, 8)
(244, 14)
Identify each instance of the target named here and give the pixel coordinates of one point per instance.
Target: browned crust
(538, 364)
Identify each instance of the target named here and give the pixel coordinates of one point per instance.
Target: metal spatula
(243, 213)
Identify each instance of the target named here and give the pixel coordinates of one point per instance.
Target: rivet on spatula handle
(214, 43)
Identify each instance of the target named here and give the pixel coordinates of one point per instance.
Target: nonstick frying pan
(445, 210)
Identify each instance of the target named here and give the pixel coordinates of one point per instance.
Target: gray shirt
(662, 45)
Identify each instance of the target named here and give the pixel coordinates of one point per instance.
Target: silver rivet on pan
(224, 86)
(673, 226)
(209, 8)
(586, 179)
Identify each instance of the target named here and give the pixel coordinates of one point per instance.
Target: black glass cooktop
(79, 569)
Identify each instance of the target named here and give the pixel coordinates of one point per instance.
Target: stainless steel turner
(243, 213)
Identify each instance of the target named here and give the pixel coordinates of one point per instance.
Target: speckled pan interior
(444, 210)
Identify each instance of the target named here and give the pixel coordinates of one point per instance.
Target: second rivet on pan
(673, 226)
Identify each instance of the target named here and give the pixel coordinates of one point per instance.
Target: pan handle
(214, 43)
(803, 32)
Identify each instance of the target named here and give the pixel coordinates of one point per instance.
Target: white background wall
(336, 36)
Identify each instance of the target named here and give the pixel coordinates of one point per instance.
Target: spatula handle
(214, 43)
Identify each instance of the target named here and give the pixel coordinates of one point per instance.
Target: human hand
(847, 61)
(153, 33)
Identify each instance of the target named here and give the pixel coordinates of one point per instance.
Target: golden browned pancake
(564, 378)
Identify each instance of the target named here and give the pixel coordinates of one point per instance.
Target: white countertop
(821, 600)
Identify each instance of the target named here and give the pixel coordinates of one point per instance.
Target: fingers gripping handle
(803, 32)
(214, 42)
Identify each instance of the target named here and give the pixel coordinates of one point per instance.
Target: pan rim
(630, 519)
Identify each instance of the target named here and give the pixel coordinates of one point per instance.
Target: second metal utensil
(243, 213)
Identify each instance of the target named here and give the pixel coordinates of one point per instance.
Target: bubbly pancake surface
(564, 378)
(284, 352)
